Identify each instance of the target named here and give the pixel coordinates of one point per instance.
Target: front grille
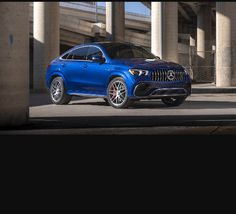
(163, 75)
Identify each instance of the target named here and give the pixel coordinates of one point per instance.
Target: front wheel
(58, 93)
(117, 93)
(173, 101)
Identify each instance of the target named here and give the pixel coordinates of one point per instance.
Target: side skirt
(86, 95)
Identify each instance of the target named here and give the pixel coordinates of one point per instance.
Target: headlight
(138, 72)
(185, 70)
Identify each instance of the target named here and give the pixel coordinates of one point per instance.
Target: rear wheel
(106, 101)
(58, 93)
(173, 101)
(117, 94)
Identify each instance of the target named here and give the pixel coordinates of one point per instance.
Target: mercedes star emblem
(170, 75)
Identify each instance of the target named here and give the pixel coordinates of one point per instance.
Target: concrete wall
(233, 42)
(14, 60)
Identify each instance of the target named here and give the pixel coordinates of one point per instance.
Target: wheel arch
(116, 74)
(113, 77)
(129, 82)
(57, 74)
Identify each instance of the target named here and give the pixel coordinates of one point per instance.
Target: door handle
(63, 64)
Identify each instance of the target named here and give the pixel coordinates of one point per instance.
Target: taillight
(49, 66)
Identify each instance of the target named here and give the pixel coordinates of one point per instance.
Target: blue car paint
(92, 78)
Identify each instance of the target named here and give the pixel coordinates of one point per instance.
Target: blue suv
(120, 73)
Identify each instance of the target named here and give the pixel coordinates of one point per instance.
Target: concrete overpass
(78, 24)
(168, 20)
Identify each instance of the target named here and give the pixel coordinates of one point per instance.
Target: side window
(80, 53)
(138, 53)
(93, 51)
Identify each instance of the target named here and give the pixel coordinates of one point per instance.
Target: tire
(58, 93)
(173, 101)
(117, 94)
(106, 101)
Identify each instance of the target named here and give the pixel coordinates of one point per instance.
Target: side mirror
(98, 59)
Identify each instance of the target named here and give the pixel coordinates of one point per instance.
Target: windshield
(126, 51)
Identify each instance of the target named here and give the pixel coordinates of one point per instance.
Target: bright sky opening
(130, 6)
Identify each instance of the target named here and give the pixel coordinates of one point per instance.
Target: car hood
(148, 64)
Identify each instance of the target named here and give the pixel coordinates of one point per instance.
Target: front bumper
(155, 90)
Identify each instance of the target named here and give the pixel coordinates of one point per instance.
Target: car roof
(105, 43)
(102, 44)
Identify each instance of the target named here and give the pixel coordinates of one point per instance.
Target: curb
(213, 90)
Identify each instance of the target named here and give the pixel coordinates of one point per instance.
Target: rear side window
(78, 54)
(93, 51)
(65, 56)
(70, 56)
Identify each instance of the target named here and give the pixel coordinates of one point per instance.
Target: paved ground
(196, 104)
(200, 114)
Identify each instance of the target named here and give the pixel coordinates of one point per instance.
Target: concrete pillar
(14, 61)
(225, 44)
(204, 44)
(170, 51)
(115, 21)
(164, 38)
(156, 28)
(46, 31)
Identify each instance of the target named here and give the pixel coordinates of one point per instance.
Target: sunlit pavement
(196, 104)
(206, 114)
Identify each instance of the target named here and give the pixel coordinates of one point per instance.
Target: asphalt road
(207, 114)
